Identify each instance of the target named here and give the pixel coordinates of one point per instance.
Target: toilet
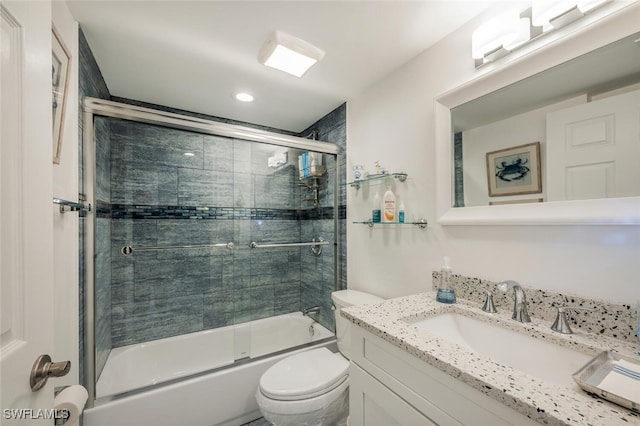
(311, 388)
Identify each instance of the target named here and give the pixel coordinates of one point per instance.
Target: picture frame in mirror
(514, 170)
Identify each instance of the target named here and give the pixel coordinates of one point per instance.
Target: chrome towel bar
(315, 245)
(127, 250)
(71, 206)
(255, 245)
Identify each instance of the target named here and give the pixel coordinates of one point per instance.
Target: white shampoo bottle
(389, 206)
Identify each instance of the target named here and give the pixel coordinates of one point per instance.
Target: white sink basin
(533, 356)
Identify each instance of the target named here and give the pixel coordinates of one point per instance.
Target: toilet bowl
(311, 388)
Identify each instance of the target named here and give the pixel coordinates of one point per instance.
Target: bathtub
(204, 378)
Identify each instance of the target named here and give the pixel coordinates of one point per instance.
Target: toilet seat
(304, 375)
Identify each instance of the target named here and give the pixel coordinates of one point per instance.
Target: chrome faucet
(315, 310)
(520, 312)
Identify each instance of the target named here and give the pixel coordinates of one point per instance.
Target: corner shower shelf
(420, 223)
(401, 176)
(312, 183)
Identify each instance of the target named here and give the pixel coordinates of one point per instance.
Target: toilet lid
(304, 375)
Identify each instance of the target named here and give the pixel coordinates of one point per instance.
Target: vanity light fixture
(510, 30)
(289, 54)
(558, 13)
(500, 35)
(244, 97)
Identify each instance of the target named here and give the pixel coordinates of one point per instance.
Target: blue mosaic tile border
(130, 211)
(342, 212)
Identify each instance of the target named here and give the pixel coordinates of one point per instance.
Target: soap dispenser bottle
(445, 294)
(376, 215)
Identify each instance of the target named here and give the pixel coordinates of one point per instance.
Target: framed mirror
(577, 102)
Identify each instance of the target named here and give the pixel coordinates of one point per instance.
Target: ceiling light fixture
(244, 97)
(289, 54)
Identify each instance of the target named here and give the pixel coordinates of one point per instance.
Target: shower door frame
(93, 107)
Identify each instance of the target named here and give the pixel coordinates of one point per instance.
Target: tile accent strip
(458, 172)
(134, 211)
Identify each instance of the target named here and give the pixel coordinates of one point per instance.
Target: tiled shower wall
(331, 128)
(223, 191)
(102, 263)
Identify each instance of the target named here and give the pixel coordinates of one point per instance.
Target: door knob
(43, 368)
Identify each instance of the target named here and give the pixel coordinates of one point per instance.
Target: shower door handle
(43, 368)
(72, 206)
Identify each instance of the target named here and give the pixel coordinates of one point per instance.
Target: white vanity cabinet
(388, 386)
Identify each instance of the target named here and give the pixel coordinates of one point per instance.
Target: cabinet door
(373, 404)
(423, 388)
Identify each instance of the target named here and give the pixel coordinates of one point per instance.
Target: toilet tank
(343, 299)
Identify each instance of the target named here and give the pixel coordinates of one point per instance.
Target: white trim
(12, 262)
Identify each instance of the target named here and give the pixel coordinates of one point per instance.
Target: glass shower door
(176, 213)
(275, 270)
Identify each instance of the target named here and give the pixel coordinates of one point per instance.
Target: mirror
(494, 133)
(584, 114)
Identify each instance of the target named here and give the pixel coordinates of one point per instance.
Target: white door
(26, 220)
(593, 149)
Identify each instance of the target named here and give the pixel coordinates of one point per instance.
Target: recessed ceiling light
(289, 54)
(244, 97)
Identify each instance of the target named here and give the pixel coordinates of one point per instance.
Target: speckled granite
(541, 401)
(608, 319)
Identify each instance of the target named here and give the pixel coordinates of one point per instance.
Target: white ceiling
(194, 55)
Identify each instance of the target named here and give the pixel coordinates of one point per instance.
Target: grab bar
(315, 245)
(127, 250)
(71, 205)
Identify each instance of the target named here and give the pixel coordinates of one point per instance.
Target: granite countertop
(544, 402)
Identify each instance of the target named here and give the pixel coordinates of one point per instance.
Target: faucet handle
(561, 324)
(488, 305)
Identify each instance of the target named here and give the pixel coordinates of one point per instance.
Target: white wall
(393, 121)
(65, 232)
